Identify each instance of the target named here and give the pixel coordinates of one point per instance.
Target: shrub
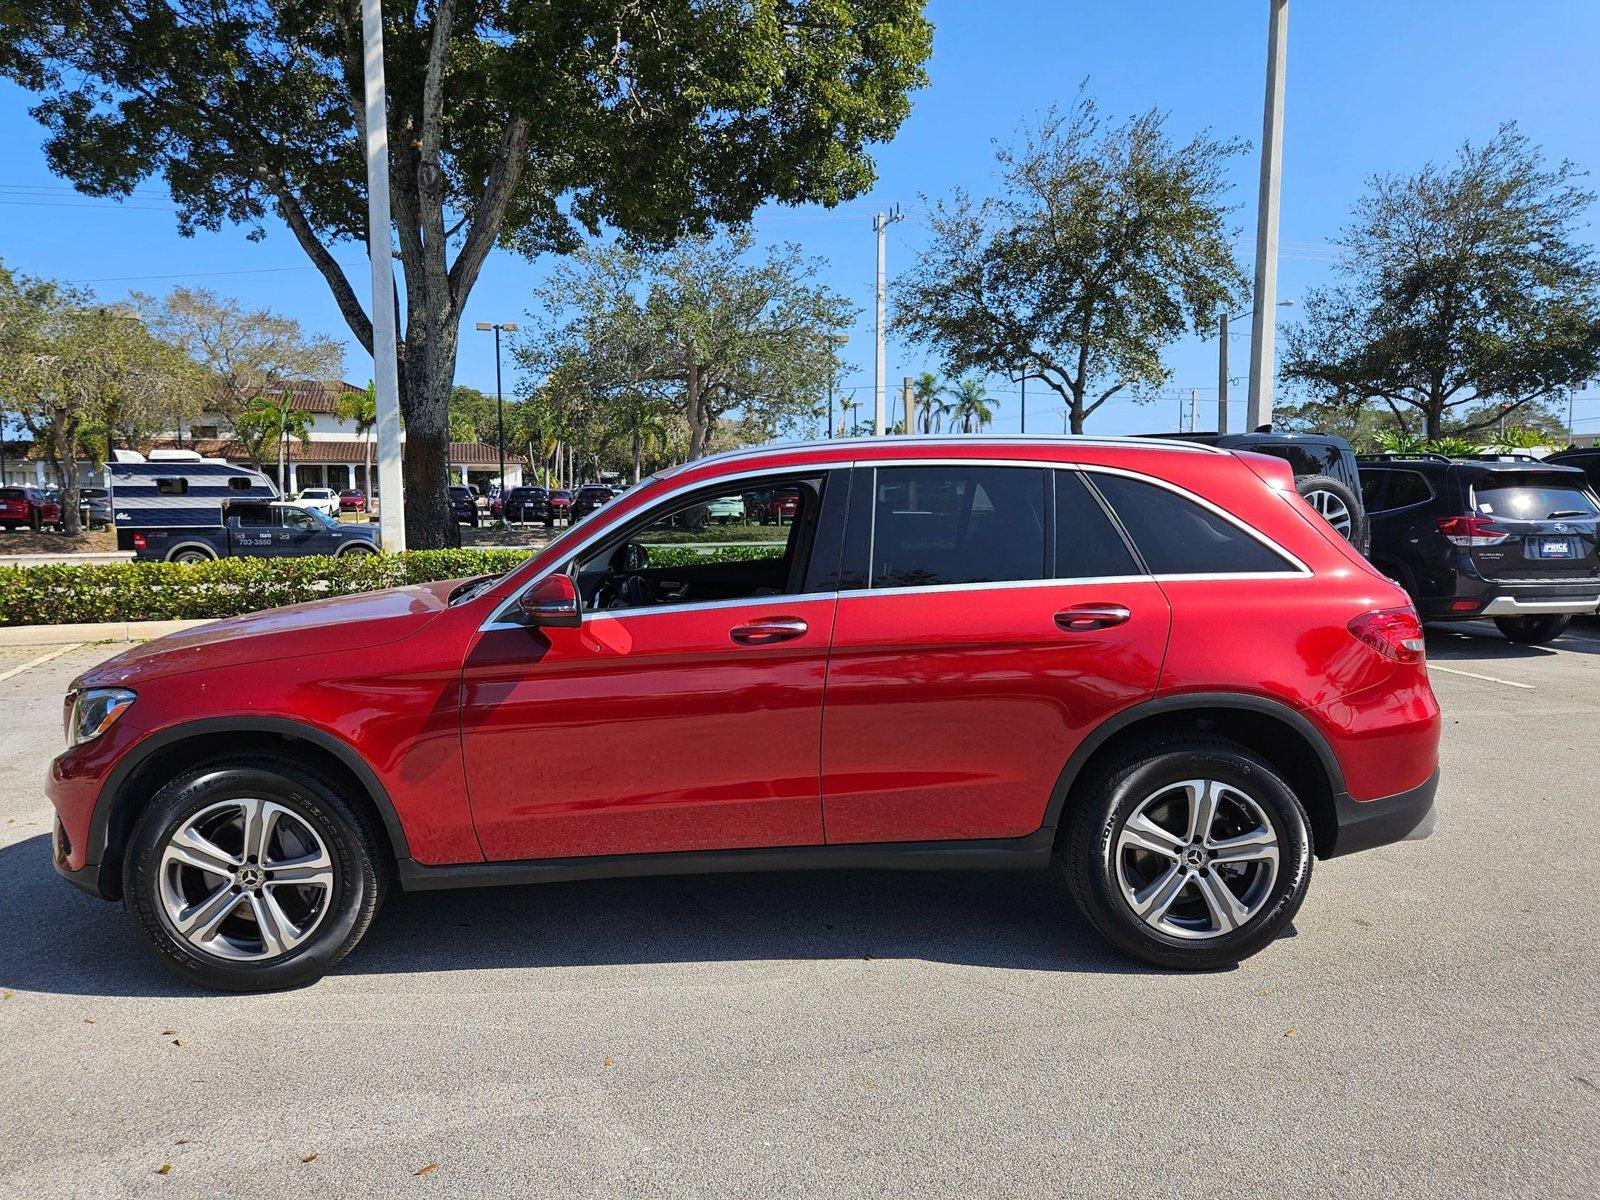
(227, 587)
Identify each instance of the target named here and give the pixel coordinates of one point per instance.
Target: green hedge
(227, 587)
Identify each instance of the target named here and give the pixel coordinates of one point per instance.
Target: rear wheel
(1194, 855)
(1337, 505)
(1532, 631)
(191, 556)
(357, 551)
(251, 875)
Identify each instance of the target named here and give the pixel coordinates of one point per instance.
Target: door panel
(647, 731)
(951, 712)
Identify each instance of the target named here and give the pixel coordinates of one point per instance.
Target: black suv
(590, 497)
(527, 503)
(464, 505)
(1325, 472)
(1515, 541)
(1585, 458)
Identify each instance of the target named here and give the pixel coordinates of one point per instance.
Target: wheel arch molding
(148, 765)
(1305, 759)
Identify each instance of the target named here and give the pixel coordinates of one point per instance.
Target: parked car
(1586, 459)
(1325, 473)
(726, 510)
(321, 499)
(258, 529)
(1135, 659)
(561, 504)
(590, 497)
(28, 508)
(1512, 541)
(464, 505)
(525, 503)
(352, 500)
(94, 507)
(771, 507)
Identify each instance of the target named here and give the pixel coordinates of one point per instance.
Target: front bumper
(1365, 824)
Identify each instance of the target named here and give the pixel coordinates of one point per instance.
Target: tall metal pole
(1024, 399)
(830, 410)
(385, 367)
(1222, 374)
(909, 404)
(1194, 417)
(1264, 322)
(880, 223)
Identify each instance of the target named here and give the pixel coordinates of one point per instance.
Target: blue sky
(1372, 87)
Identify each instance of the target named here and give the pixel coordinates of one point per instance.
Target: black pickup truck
(261, 528)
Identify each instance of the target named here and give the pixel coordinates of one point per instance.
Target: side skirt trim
(1001, 854)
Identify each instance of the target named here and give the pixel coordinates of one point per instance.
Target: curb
(102, 631)
(92, 558)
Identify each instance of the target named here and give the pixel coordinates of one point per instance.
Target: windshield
(330, 522)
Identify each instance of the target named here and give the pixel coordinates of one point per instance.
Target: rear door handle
(1081, 618)
(768, 630)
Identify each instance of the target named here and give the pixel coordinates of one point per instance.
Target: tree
(361, 410)
(513, 125)
(1461, 288)
(75, 372)
(971, 404)
(266, 419)
(1104, 244)
(249, 353)
(931, 407)
(709, 325)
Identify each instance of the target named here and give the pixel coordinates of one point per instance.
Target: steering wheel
(623, 586)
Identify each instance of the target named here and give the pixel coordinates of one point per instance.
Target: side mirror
(553, 601)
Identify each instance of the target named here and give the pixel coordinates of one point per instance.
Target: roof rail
(948, 439)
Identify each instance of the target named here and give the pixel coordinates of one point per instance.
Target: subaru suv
(1149, 666)
(1511, 540)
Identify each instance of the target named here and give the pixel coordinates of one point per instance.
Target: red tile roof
(327, 450)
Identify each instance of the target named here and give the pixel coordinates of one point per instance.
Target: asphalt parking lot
(1431, 1027)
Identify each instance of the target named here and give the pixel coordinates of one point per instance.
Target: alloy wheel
(1334, 511)
(246, 880)
(1197, 859)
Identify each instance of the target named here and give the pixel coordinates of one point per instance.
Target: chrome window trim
(954, 441)
(494, 621)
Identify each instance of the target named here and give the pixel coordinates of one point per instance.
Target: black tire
(360, 870)
(190, 555)
(358, 550)
(1105, 800)
(1359, 534)
(1533, 631)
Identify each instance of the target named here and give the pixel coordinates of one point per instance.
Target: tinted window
(1372, 484)
(251, 516)
(1176, 536)
(1406, 488)
(1087, 543)
(170, 486)
(238, 483)
(939, 525)
(1303, 459)
(1532, 498)
(13, 494)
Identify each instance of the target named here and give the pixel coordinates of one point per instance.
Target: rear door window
(1177, 536)
(954, 524)
(1088, 545)
(1407, 488)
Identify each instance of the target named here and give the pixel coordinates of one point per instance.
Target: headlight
(93, 712)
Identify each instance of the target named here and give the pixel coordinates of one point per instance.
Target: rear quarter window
(1177, 536)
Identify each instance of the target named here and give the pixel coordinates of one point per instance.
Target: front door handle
(768, 630)
(1081, 618)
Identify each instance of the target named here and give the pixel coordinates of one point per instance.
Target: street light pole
(500, 406)
(1222, 374)
(1264, 327)
(385, 367)
(880, 223)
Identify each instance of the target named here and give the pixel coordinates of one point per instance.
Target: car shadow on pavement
(1482, 642)
(58, 940)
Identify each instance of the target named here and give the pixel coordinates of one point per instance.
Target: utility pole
(1193, 416)
(1222, 374)
(880, 223)
(1264, 322)
(500, 406)
(909, 403)
(385, 367)
(829, 415)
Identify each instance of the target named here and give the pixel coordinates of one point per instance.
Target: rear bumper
(1365, 824)
(1533, 606)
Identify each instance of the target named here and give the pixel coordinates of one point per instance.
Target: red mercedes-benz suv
(1152, 664)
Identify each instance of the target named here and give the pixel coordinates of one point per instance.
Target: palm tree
(265, 418)
(930, 407)
(361, 409)
(971, 404)
(846, 405)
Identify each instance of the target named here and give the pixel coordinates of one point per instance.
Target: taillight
(139, 542)
(1472, 531)
(1395, 633)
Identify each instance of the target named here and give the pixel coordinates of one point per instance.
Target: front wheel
(251, 875)
(1192, 856)
(1533, 631)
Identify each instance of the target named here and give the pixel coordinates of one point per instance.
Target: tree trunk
(283, 460)
(695, 406)
(65, 437)
(638, 454)
(1075, 413)
(1433, 419)
(424, 397)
